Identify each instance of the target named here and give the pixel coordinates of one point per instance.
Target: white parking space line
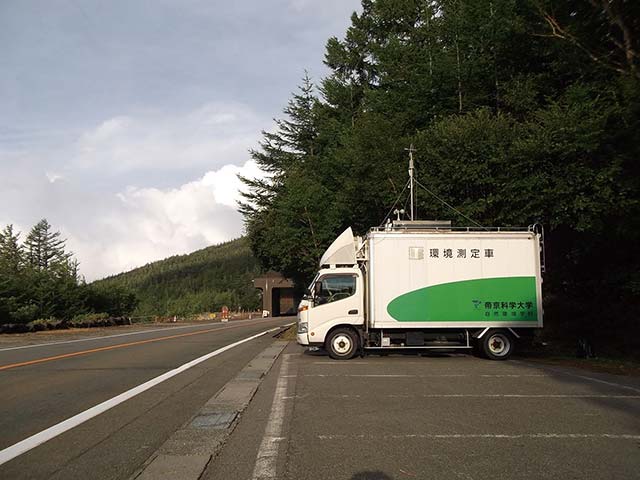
(447, 436)
(509, 395)
(139, 332)
(33, 441)
(339, 364)
(445, 375)
(266, 460)
(612, 384)
(394, 362)
(472, 395)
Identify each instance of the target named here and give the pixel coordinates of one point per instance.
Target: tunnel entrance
(278, 295)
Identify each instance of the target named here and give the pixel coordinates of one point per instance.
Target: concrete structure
(277, 294)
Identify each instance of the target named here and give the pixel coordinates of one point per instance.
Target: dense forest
(521, 111)
(202, 281)
(39, 280)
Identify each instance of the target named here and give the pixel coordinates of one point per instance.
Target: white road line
(266, 460)
(583, 377)
(288, 324)
(165, 329)
(447, 436)
(33, 441)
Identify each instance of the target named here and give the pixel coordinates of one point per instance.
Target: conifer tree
(293, 196)
(39, 279)
(45, 248)
(11, 252)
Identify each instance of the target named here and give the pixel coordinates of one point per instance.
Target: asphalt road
(411, 417)
(41, 386)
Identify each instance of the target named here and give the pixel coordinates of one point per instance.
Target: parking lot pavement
(447, 416)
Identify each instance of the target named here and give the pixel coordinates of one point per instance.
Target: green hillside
(202, 281)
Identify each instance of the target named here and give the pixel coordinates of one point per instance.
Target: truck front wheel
(342, 344)
(497, 345)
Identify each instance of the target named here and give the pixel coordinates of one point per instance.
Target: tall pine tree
(45, 249)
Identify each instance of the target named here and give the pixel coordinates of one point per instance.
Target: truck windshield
(334, 288)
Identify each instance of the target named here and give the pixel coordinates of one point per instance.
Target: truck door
(337, 300)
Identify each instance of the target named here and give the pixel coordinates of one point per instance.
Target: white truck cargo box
(447, 279)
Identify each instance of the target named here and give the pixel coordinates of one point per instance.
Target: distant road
(43, 385)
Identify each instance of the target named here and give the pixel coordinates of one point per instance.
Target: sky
(124, 123)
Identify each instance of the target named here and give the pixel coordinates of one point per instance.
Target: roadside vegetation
(40, 287)
(288, 334)
(202, 281)
(521, 112)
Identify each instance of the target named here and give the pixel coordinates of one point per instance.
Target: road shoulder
(258, 448)
(189, 450)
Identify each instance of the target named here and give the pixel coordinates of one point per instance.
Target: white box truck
(425, 285)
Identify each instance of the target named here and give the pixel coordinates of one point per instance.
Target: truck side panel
(454, 280)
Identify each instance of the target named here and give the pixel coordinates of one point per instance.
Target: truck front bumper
(302, 339)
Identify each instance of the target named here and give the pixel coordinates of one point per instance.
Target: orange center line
(120, 345)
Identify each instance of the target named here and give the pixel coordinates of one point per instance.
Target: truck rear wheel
(342, 344)
(497, 345)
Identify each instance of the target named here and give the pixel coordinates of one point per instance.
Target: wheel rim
(499, 345)
(341, 344)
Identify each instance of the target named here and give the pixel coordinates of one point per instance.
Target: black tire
(342, 344)
(498, 344)
(478, 350)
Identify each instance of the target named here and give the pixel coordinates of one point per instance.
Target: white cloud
(113, 229)
(147, 224)
(215, 133)
(225, 183)
(53, 177)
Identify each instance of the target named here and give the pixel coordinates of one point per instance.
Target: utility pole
(411, 180)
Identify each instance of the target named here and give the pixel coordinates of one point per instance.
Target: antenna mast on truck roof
(411, 180)
(412, 184)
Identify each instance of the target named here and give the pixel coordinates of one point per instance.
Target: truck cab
(335, 298)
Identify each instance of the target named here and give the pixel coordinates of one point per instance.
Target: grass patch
(80, 321)
(289, 334)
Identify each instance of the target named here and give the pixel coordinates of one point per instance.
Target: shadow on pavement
(320, 352)
(601, 385)
(377, 475)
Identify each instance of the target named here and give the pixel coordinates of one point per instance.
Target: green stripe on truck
(505, 299)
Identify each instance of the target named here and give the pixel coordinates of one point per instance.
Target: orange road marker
(120, 345)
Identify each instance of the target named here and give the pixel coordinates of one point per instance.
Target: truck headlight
(303, 327)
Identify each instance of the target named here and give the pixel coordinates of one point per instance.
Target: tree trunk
(459, 74)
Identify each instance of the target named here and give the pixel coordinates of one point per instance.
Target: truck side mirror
(318, 298)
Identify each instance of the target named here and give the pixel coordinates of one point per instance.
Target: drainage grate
(214, 420)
